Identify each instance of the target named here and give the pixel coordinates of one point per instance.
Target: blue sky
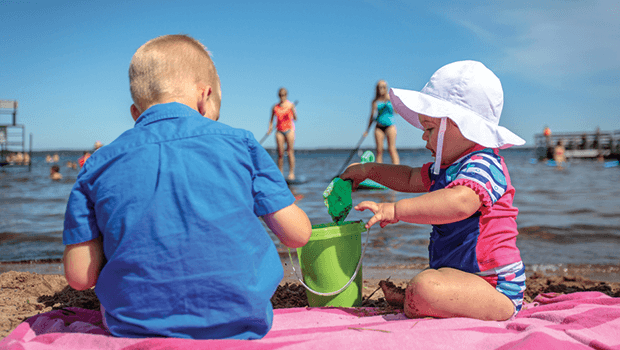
(66, 61)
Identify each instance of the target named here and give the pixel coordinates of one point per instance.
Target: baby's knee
(425, 285)
(423, 292)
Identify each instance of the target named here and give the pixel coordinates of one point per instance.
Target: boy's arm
(399, 178)
(291, 225)
(83, 262)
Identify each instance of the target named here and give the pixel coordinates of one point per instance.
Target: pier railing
(580, 144)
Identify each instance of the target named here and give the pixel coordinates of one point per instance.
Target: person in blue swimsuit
(385, 128)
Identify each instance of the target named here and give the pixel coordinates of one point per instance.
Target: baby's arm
(291, 225)
(400, 178)
(83, 262)
(439, 207)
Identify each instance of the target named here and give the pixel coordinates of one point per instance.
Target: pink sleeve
(426, 180)
(482, 192)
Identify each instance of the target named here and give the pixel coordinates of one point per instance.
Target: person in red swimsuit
(83, 158)
(285, 131)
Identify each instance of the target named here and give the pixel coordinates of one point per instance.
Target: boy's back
(176, 199)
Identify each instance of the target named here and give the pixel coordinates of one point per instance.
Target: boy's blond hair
(168, 67)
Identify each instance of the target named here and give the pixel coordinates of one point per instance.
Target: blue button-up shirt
(177, 200)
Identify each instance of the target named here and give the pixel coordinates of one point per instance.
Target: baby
(475, 268)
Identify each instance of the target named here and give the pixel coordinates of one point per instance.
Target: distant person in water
(83, 158)
(20, 158)
(559, 154)
(285, 115)
(548, 142)
(55, 173)
(382, 112)
(10, 158)
(97, 146)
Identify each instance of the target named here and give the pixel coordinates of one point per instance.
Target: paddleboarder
(382, 112)
(285, 115)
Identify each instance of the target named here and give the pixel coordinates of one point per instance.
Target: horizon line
(274, 149)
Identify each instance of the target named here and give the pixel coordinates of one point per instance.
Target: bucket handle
(359, 264)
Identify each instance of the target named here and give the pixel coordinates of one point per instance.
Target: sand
(24, 294)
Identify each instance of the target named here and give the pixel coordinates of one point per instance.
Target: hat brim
(409, 104)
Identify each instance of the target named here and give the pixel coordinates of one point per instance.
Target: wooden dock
(13, 138)
(605, 144)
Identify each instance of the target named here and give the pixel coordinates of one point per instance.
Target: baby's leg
(448, 292)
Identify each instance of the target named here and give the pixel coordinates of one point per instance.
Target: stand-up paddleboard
(612, 163)
(297, 181)
(368, 184)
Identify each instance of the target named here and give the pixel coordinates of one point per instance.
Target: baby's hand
(384, 213)
(355, 172)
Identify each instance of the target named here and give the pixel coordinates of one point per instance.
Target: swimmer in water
(55, 173)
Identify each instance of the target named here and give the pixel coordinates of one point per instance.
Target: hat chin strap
(442, 131)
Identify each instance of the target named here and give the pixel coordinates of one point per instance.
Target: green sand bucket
(329, 262)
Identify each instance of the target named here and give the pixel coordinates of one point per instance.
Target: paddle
(353, 152)
(264, 138)
(268, 133)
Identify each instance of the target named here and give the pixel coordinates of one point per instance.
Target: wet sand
(27, 289)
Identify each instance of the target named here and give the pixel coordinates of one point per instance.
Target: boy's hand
(384, 213)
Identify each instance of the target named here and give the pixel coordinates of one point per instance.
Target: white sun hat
(469, 94)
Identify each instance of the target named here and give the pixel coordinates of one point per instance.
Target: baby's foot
(394, 295)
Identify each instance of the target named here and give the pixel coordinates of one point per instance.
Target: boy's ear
(203, 96)
(135, 112)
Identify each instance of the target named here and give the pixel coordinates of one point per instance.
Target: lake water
(569, 216)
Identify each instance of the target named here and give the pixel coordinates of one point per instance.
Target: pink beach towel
(574, 321)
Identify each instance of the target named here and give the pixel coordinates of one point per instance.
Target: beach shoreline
(31, 288)
(606, 273)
